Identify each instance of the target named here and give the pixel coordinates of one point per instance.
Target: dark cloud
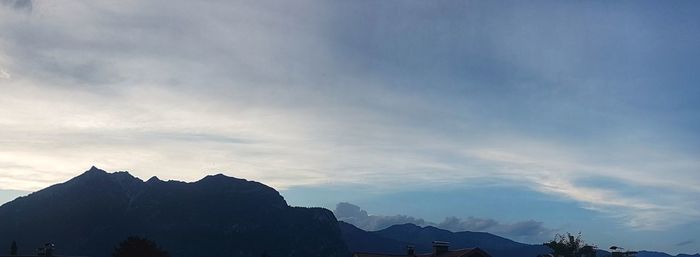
(687, 242)
(22, 5)
(528, 230)
(471, 224)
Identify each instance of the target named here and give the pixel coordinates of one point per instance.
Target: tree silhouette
(139, 247)
(570, 246)
(13, 248)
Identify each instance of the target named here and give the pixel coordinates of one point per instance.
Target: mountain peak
(220, 178)
(123, 174)
(94, 169)
(97, 173)
(153, 179)
(91, 174)
(405, 226)
(217, 176)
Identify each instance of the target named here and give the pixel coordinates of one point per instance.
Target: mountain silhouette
(215, 216)
(91, 214)
(394, 239)
(359, 240)
(660, 254)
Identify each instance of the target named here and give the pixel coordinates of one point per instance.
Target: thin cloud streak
(549, 174)
(687, 242)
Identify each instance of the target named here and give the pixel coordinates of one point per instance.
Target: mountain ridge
(90, 213)
(214, 216)
(662, 254)
(395, 238)
(400, 235)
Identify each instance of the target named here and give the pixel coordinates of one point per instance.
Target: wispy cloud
(550, 171)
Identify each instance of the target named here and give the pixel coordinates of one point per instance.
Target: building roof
(468, 252)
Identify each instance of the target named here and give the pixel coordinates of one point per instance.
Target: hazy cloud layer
(529, 231)
(586, 102)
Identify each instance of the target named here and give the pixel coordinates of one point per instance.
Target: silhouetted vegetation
(13, 248)
(570, 246)
(139, 247)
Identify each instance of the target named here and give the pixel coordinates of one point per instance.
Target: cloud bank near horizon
(595, 106)
(528, 231)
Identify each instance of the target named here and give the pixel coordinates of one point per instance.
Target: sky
(519, 119)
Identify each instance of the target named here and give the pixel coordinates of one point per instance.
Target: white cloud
(555, 171)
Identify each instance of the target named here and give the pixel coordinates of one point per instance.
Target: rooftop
(467, 252)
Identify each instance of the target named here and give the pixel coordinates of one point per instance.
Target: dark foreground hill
(216, 216)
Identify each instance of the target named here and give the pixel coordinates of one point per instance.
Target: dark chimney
(440, 247)
(410, 250)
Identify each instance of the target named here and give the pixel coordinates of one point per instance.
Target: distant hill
(216, 216)
(394, 240)
(359, 240)
(660, 254)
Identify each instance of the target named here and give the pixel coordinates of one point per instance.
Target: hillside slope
(216, 216)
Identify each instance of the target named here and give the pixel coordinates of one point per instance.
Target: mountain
(216, 216)
(359, 240)
(394, 239)
(660, 254)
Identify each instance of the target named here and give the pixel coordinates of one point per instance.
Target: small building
(440, 249)
(621, 252)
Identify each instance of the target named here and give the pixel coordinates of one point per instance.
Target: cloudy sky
(518, 119)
